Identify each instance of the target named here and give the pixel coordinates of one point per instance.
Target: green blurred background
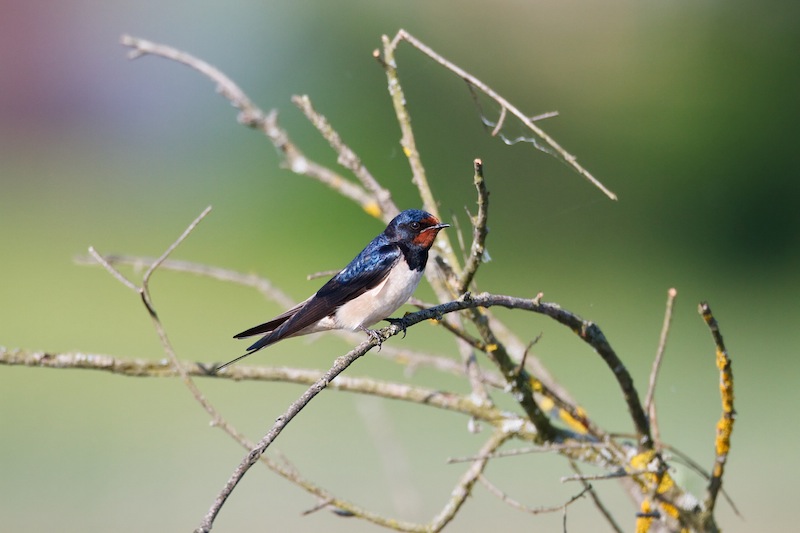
(687, 110)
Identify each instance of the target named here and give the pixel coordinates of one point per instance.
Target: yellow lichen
(373, 209)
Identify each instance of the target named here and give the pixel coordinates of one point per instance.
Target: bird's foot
(399, 322)
(374, 334)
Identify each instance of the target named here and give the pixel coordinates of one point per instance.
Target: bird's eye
(415, 225)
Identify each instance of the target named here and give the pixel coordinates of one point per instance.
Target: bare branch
(261, 284)
(603, 477)
(250, 459)
(146, 278)
(385, 208)
(225, 86)
(177, 366)
(544, 448)
(649, 403)
(464, 487)
(562, 155)
(532, 510)
(596, 500)
(479, 231)
(409, 144)
(252, 116)
(111, 270)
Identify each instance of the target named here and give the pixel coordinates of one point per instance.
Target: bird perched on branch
(373, 286)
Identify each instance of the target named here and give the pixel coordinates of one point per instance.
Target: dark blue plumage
(370, 288)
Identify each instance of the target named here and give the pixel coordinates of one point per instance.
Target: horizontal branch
(133, 367)
(587, 331)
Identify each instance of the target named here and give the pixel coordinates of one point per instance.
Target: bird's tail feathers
(267, 327)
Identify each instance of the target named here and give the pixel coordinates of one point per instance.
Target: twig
(384, 208)
(603, 477)
(649, 404)
(505, 498)
(179, 368)
(545, 448)
(726, 421)
(146, 279)
(533, 363)
(250, 459)
(134, 367)
(524, 358)
(596, 500)
(589, 332)
(418, 176)
(225, 86)
(459, 234)
(563, 155)
(404, 121)
(500, 120)
(253, 117)
(464, 486)
(479, 232)
(262, 285)
(702, 472)
(111, 270)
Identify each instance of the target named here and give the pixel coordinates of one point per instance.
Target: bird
(370, 288)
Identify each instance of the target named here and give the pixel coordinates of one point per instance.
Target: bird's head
(416, 227)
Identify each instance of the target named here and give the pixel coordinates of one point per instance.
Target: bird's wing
(363, 273)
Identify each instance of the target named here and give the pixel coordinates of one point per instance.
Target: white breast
(381, 301)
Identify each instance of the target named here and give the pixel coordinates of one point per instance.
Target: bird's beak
(437, 227)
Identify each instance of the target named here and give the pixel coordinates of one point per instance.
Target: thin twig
(603, 477)
(479, 231)
(146, 278)
(545, 448)
(695, 467)
(384, 207)
(253, 117)
(175, 363)
(596, 500)
(532, 363)
(524, 358)
(563, 155)
(407, 140)
(649, 403)
(442, 245)
(111, 270)
(505, 498)
(464, 486)
(261, 284)
(250, 459)
(500, 120)
(459, 234)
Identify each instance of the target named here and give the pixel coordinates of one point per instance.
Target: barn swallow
(373, 286)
